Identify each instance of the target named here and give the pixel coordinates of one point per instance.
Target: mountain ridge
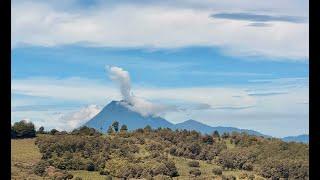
(120, 111)
(304, 138)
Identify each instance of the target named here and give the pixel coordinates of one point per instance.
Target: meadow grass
(24, 155)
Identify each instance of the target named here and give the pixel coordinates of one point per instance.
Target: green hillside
(156, 154)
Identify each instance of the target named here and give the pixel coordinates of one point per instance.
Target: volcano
(120, 111)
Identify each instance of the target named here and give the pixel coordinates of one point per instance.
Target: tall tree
(41, 130)
(124, 128)
(115, 125)
(216, 134)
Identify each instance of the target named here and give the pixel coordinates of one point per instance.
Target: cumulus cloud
(138, 104)
(78, 118)
(165, 25)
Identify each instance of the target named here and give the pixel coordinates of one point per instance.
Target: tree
(24, 129)
(147, 128)
(110, 130)
(53, 131)
(41, 130)
(124, 128)
(216, 134)
(207, 139)
(115, 125)
(225, 135)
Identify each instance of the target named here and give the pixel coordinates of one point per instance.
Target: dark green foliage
(110, 130)
(216, 134)
(90, 166)
(40, 168)
(237, 159)
(13, 133)
(115, 126)
(41, 130)
(193, 164)
(115, 155)
(23, 129)
(124, 128)
(53, 131)
(84, 130)
(147, 128)
(195, 172)
(171, 169)
(207, 139)
(225, 135)
(217, 171)
(284, 168)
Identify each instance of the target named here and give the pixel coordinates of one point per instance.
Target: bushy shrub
(193, 164)
(115, 155)
(23, 129)
(53, 131)
(284, 168)
(217, 171)
(90, 166)
(87, 131)
(228, 177)
(171, 168)
(40, 168)
(195, 172)
(153, 146)
(237, 159)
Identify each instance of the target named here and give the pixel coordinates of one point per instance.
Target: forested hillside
(162, 153)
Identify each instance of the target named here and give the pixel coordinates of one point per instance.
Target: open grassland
(24, 155)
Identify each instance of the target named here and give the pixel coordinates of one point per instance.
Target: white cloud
(78, 118)
(158, 25)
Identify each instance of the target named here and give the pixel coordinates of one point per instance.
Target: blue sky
(224, 64)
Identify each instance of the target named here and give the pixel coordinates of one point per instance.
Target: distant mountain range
(304, 138)
(119, 111)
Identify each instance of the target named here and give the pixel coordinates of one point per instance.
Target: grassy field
(24, 154)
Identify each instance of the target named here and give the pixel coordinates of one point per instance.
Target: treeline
(118, 154)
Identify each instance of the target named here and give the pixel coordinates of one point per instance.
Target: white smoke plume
(137, 104)
(121, 77)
